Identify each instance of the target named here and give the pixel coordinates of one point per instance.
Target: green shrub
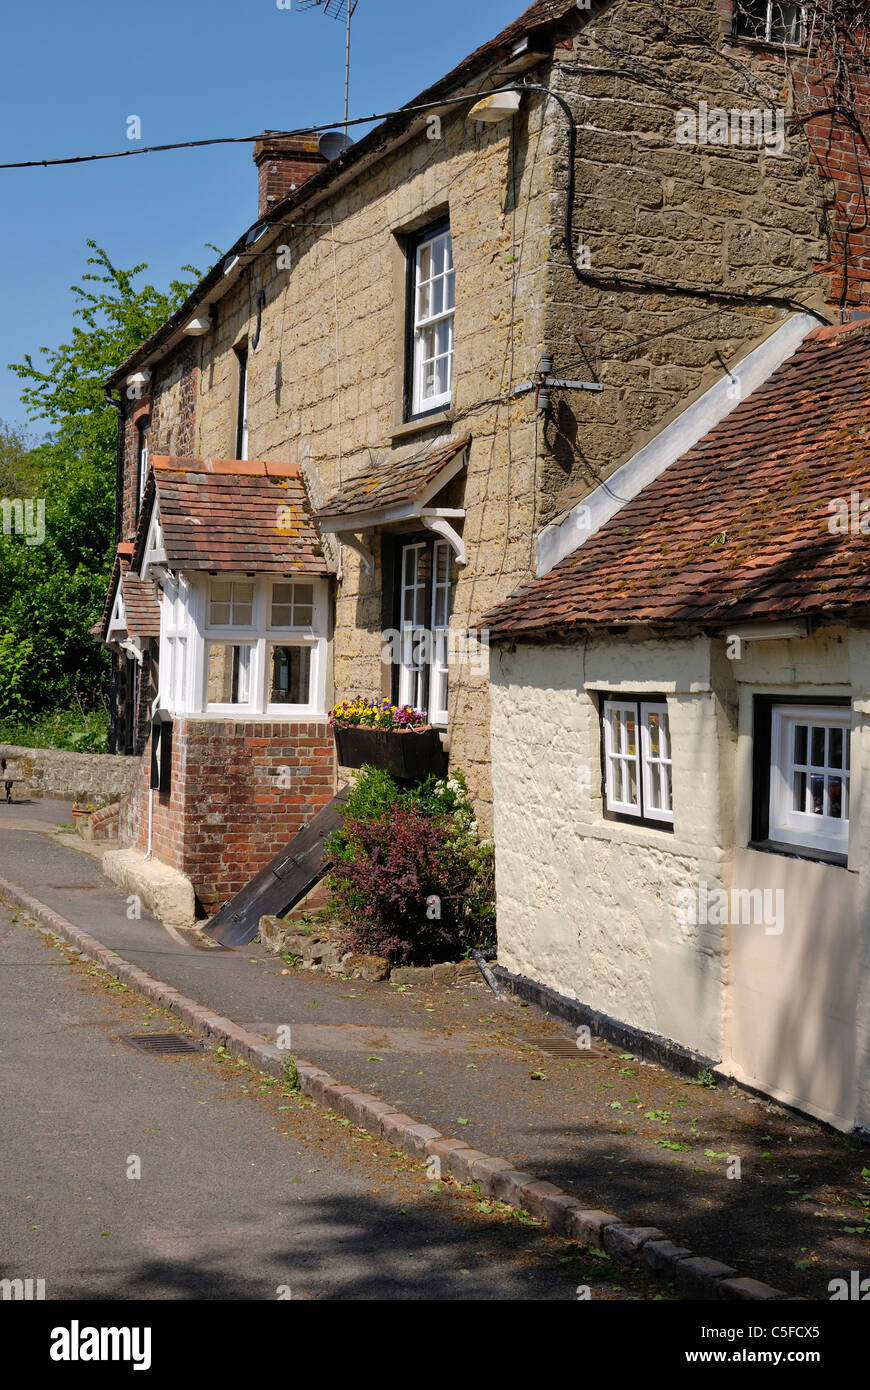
(68, 729)
(411, 879)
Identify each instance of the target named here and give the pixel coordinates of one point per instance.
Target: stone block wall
(54, 774)
(678, 235)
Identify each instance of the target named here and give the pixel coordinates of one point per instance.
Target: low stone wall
(54, 774)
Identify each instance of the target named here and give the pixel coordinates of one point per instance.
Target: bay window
(242, 647)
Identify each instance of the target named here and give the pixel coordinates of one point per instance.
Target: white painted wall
(591, 906)
(587, 905)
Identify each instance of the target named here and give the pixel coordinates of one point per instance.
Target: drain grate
(162, 1042)
(565, 1047)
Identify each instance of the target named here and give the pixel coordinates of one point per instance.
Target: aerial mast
(338, 9)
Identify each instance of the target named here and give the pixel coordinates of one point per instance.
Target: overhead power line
(249, 139)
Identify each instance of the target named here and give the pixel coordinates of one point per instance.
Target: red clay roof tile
(738, 527)
(240, 515)
(396, 478)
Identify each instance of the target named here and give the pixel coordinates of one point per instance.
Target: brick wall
(239, 794)
(284, 163)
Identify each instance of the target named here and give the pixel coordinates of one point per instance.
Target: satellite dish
(333, 143)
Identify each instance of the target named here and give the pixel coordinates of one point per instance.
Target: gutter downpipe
(480, 958)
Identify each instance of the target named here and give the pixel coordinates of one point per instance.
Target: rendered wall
(595, 908)
(586, 905)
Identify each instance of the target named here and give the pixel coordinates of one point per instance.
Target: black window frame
(161, 754)
(143, 433)
(763, 706)
(637, 698)
(740, 37)
(412, 245)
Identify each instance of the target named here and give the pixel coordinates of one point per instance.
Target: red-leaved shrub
(402, 886)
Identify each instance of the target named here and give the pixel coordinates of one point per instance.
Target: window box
(406, 753)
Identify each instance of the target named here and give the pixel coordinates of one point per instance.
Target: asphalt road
(244, 1191)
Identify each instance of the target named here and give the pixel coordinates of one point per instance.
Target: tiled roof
(738, 527)
(235, 515)
(141, 607)
(399, 477)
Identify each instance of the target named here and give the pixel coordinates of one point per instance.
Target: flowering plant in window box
(376, 714)
(397, 738)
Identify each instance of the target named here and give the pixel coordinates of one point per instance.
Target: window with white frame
(770, 21)
(230, 603)
(425, 601)
(432, 310)
(809, 777)
(174, 640)
(637, 759)
(242, 647)
(143, 431)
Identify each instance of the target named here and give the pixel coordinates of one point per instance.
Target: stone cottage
(430, 346)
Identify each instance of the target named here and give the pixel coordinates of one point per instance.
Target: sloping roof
(228, 514)
(120, 566)
(539, 16)
(397, 478)
(738, 527)
(141, 607)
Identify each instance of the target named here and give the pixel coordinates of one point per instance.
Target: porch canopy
(397, 488)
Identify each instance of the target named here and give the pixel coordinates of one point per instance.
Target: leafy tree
(16, 461)
(52, 593)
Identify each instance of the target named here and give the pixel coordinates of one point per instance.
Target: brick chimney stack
(284, 163)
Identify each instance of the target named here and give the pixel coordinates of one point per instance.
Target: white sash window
(810, 774)
(243, 647)
(637, 759)
(424, 626)
(433, 313)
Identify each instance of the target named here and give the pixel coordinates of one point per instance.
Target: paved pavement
(622, 1135)
(240, 1193)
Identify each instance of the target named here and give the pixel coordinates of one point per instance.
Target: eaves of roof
(538, 20)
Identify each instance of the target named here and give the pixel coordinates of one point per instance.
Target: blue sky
(191, 70)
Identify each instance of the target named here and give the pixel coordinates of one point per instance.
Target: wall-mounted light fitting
(498, 106)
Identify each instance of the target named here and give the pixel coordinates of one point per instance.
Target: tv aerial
(337, 9)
